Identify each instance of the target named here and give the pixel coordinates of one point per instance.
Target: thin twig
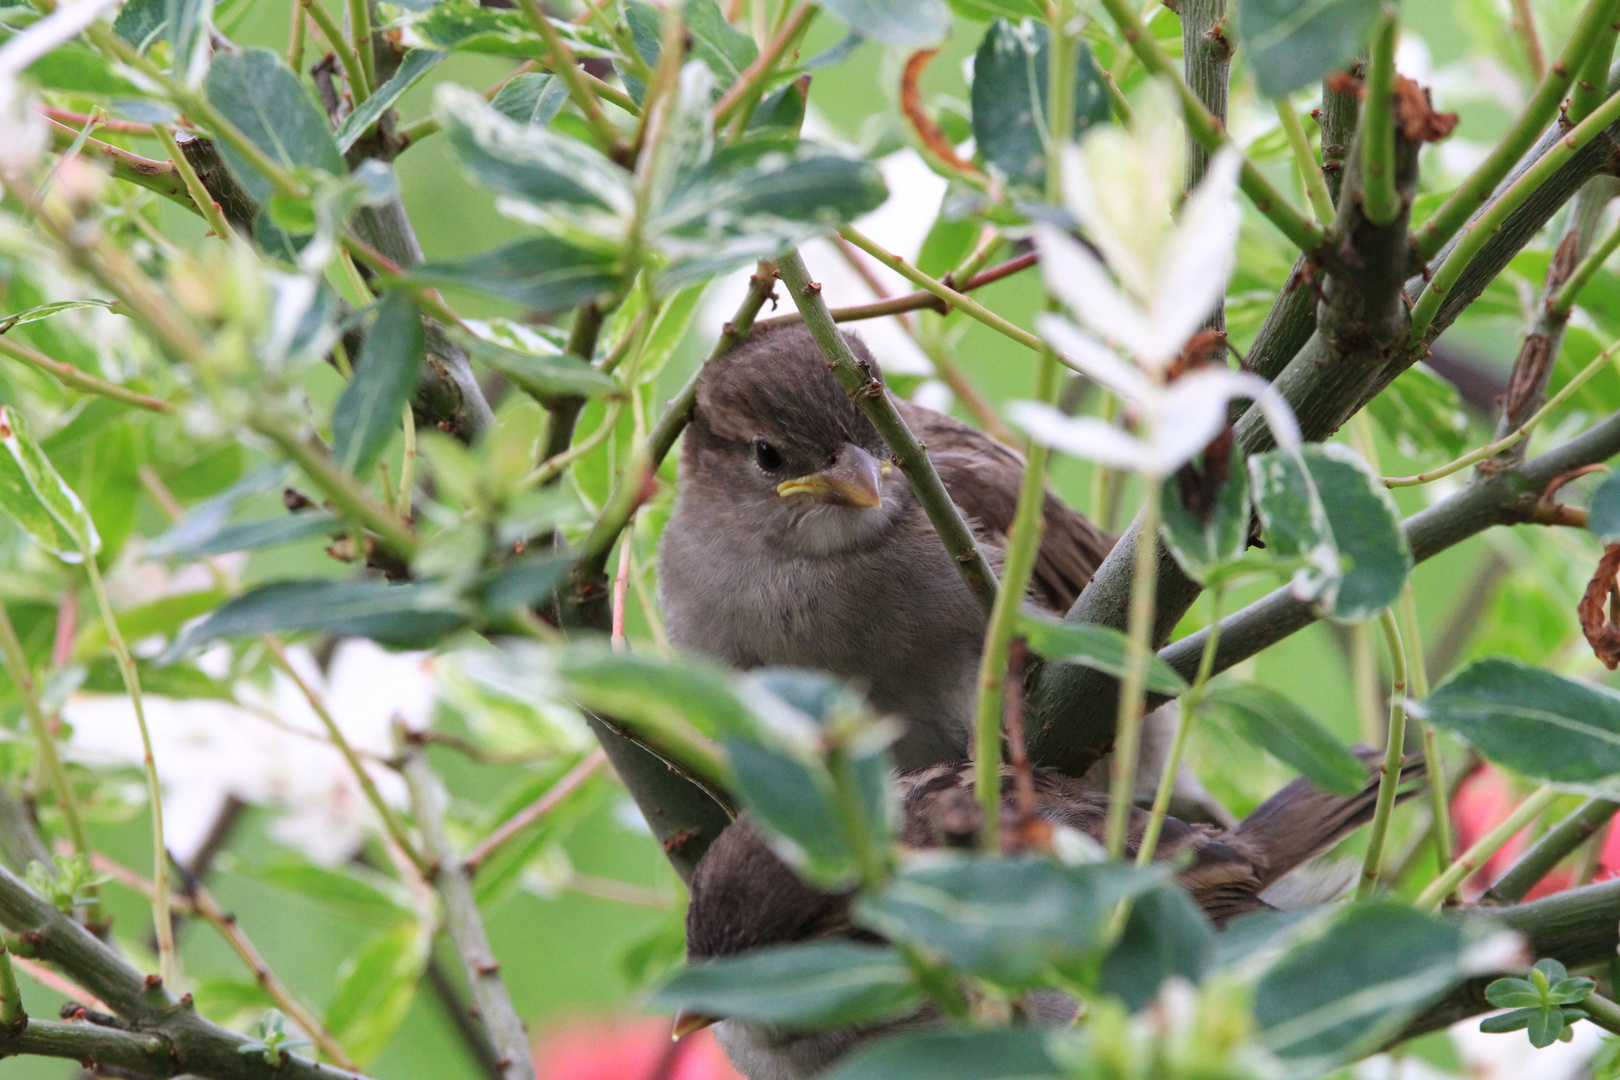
(867, 391)
(1381, 202)
(1524, 24)
(206, 206)
(390, 819)
(452, 880)
(536, 810)
(750, 84)
(1133, 686)
(360, 30)
(560, 58)
(346, 54)
(1310, 173)
(951, 296)
(75, 379)
(922, 300)
(1523, 431)
(1547, 852)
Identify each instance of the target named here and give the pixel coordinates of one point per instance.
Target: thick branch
(187, 1042)
(1207, 57)
(1559, 841)
(1576, 928)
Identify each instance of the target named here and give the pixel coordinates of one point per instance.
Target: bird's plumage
(756, 579)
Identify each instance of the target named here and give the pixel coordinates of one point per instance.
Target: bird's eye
(769, 458)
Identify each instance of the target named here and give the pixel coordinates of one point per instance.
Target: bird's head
(774, 436)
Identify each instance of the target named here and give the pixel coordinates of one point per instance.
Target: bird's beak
(688, 1022)
(852, 480)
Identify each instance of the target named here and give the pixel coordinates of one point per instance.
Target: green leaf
(724, 48)
(797, 987)
(1166, 935)
(1335, 997)
(754, 199)
(459, 26)
(1544, 1027)
(37, 497)
(1293, 43)
(542, 376)
(188, 24)
(985, 10)
(656, 692)
(1270, 721)
(1571, 991)
(162, 616)
(1517, 1020)
(1532, 721)
(1008, 920)
(796, 805)
(401, 616)
(353, 893)
(782, 108)
(1422, 414)
(1603, 512)
(412, 66)
(1513, 993)
(372, 407)
(532, 98)
(1101, 648)
(998, 1054)
(257, 535)
(551, 172)
(905, 24)
(77, 70)
(526, 583)
(1295, 523)
(1366, 529)
(256, 91)
(1203, 543)
(45, 311)
(140, 22)
(1009, 98)
(374, 992)
(543, 272)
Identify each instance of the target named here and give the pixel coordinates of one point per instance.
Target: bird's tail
(1302, 821)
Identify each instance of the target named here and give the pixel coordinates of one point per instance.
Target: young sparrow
(744, 897)
(793, 543)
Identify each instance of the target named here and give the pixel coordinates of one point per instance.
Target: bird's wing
(983, 477)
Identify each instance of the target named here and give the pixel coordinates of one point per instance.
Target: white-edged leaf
(36, 496)
(412, 66)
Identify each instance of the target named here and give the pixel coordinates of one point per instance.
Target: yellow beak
(852, 480)
(686, 1023)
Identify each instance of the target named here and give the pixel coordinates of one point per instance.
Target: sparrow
(743, 897)
(792, 541)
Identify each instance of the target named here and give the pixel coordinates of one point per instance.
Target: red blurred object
(1482, 802)
(635, 1049)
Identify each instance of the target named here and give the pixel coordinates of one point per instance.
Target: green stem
(15, 661)
(1482, 228)
(1486, 846)
(72, 377)
(1558, 841)
(194, 186)
(1310, 173)
(751, 85)
(1418, 678)
(360, 29)
(1304, 233)
(560, 58)
(1189, 711)
(12, 1016)
(333, 33)
(295, 37)
(163, 923)
(1564, 301)
(1541, 110)
(1390, 778)
(1594, 75)
(407, 466)
(1602, 1012)
(967, 304)
(1380, 201)
(1132, 690)
(1473, 457)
